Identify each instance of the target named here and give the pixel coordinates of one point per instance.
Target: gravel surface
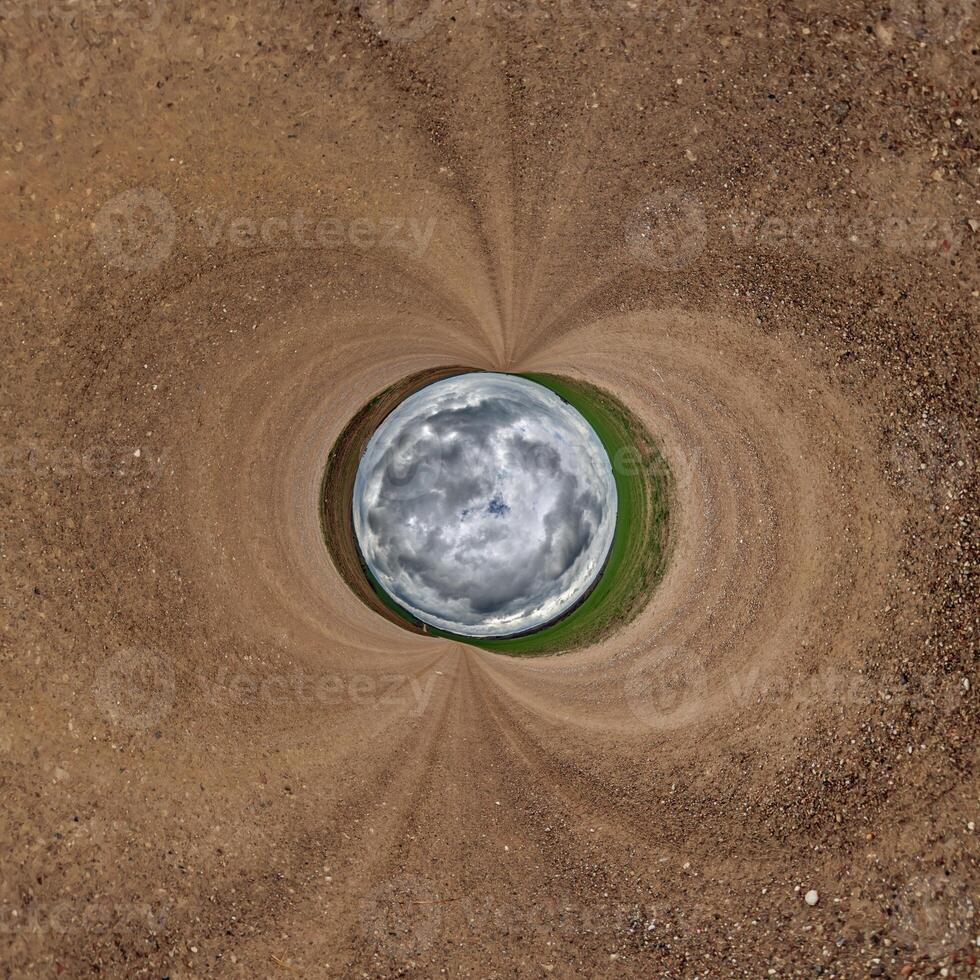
(229, 225)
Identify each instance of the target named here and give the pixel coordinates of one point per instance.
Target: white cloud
(485, 505)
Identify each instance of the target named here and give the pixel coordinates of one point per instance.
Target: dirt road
(229, 226)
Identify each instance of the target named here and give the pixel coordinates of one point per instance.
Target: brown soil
(750, 223)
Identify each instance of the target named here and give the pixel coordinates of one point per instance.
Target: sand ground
(228, 226)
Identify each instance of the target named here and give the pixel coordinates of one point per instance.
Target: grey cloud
(485, 505)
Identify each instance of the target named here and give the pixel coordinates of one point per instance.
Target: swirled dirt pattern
(231, 226)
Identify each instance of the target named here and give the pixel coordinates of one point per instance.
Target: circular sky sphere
(485, 505)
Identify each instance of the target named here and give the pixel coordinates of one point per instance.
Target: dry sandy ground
(228, 225)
